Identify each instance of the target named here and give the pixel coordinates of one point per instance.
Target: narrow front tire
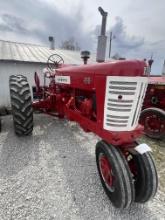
(115, 175)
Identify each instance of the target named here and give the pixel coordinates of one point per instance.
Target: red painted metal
(155, 97)
(154, 122)
(82, 100)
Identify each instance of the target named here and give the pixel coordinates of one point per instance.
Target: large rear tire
(144, 176)
(115, 175)
(153, 120)
(21, 104)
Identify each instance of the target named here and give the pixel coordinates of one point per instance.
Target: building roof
(23, 52)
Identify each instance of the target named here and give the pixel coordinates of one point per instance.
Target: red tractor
(153, 114)
(104, 98)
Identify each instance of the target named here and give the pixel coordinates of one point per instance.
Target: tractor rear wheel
(144, 176)
(153, 120)
(21, 104)
(115, 175)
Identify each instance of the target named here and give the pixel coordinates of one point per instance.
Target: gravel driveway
(52, 175)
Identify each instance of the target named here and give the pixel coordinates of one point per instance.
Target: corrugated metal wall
(12, 68)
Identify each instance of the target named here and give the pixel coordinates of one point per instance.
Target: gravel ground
(52, 175)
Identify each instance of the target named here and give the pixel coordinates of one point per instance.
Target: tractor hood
(120, 67)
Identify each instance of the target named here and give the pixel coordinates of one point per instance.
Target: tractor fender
(162, 112)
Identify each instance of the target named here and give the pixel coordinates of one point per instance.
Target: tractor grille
(123, 102)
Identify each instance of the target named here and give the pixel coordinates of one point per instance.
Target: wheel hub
(106, 172)
(154, 123)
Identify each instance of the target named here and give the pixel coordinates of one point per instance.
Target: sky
(137, 25)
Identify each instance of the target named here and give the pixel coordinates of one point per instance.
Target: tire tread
(21, 103)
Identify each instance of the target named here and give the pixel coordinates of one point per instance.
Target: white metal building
(21, 58)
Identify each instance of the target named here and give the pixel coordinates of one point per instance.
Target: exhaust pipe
(102, 39)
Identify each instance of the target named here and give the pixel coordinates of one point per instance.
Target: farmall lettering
(62, 79)
(103, 98)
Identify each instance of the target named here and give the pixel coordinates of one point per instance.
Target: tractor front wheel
(21, 104)
(115, 175)
(144, 175)
(153, 120)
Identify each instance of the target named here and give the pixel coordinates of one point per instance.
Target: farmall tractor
(104, 98)
(153, 114)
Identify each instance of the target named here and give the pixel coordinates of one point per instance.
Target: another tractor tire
(144, 176)
(21, 104)
(153, 120)
(115, 175)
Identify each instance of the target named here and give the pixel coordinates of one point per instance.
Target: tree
(117, 56)
(70, 44)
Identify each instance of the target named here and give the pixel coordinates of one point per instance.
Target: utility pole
(110, 41)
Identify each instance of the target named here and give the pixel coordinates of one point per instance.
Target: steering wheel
(54, 61)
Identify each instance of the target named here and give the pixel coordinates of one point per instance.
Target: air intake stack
(85, 55)
(102, 39)
(52, 44)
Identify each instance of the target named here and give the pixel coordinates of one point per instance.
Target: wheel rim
(154, 124)
(106, 172)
